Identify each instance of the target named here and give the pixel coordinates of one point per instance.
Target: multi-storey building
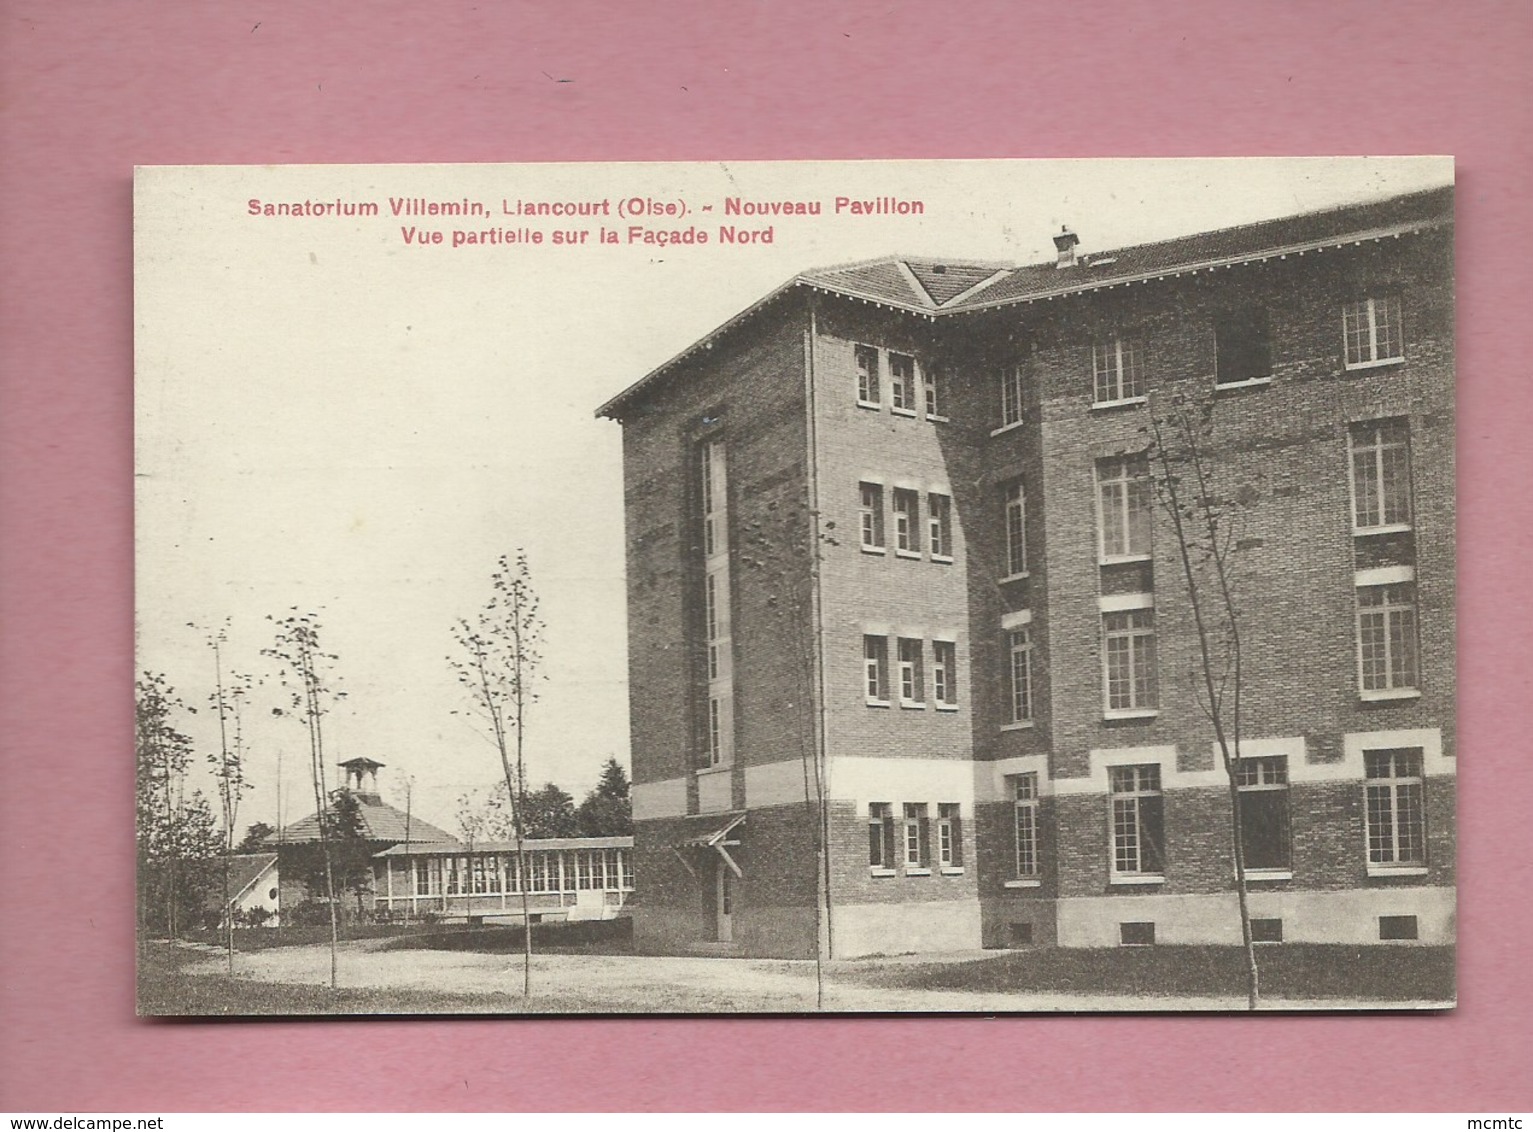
(901, 584)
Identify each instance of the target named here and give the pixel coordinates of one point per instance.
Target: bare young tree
(228, 764)
(1205, 519)
(776, 543)
(306, 675)
(497, 665)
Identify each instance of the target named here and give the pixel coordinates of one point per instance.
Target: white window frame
(1257, 775)
(1380, 620)
(1361, 322)
(1124, 493)
(1399, 793)
(902, 386)
(950, 838)
(910, 657)
(875, 667)
(931, 388)
(1014, 531)
(939, 525)
(1130, 618)
(1131, 796)
(871, 516)
(1011, 383)
(915, 840)
(906, 505)
(1117, 364)
(868, 378)
(1025, 826)
(1371, 447)
(945, 675)
(1021, 707)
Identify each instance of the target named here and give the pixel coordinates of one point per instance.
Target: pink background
(90, 89)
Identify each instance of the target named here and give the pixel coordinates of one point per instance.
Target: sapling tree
(1205, 519)
(306, 674)
(781, 543)
(498, 661)
(228, 763)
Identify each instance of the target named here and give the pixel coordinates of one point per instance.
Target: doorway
(723, 902)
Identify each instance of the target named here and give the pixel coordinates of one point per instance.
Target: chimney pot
(1065, 243)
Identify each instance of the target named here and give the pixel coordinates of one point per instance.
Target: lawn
(1288, 971)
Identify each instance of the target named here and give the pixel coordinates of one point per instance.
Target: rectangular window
(1386, 638)
(912, 678)
(711, 620)
(716, 732)
(1395, 793)
(481, 877)
(1372, 332)
(949, 835)
(1118, 366)
(939, 523)
(583, 866)
(945, 673)
(423, 886)
(1242, 347)
(1021, 647)
(917, 836)
(1024, 792)
(1140, 933)
(1125, 508)
(929, 387)
(872, 516)
(1381, 474)
(907, 534)
(880, 835)
(875, 654)
(1128, 639)
(1262, 785)
(1014, 523)
(1266, 931)
(1138, 821)
(902, 382)
(1011, 395)
(1398, 927)
(867, 376)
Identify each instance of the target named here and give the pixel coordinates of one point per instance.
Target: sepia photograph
(790, 587)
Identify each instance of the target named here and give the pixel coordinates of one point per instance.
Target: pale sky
(331, 419)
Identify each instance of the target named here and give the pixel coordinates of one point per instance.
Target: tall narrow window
(880, 835)
(932, 392)
(1011, 395)
(875, 657)
(1015, 526)
(872, 516)
(1381, 474)
(902, 382)
(1386, 638)
(1125, 502)
(1118, 365)
(718, 739)
(1395, 793)
(1138, 821)
(1129, 660)
(907, 533)
(1371, 332)
(949, 835)
(945, 673)
(1024, 793)
(912, 679)
(1021, 671)
(867, 376)
(1262, 785)
(1242, 347)
(939, 521)
(917, 837)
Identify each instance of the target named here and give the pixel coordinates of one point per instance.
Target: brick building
(895, 545)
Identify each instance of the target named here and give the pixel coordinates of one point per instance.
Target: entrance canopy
(711, 831)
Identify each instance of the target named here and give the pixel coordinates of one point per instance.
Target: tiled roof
(380, 822)
(937, 288)
(532, 844)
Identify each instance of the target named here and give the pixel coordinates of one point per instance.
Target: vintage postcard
(791, 587)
